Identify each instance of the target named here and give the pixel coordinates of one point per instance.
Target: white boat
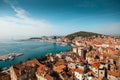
(63, 44)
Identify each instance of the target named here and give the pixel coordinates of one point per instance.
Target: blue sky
(28, 18)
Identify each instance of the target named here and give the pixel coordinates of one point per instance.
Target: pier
(10, 56)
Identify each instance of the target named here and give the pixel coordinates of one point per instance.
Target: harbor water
(30, 50)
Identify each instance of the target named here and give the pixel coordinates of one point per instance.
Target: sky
(34, 18)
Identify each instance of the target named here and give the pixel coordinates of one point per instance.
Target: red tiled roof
(95, 65)
(48, 77)
(17, 69)
(72, 70)
(59, 69)
(98, 78)
(116, 74)
(40, 69)
(79, 70)
(33, 62)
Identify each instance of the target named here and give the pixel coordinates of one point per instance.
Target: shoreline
(42, 54)
(60, 43)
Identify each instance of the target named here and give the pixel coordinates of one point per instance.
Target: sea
(29, 49)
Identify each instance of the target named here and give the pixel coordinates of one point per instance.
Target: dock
(10, 56)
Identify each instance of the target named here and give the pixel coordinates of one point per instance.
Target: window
(101, 72)
(95, 71)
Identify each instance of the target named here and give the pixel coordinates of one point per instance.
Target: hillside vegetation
(82, 34)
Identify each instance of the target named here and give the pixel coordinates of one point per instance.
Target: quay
(9, 56)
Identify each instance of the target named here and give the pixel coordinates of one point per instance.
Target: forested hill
(82, 34)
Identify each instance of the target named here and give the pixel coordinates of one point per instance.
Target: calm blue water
(30, 49)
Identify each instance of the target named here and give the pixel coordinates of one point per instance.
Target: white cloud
(23, 26)
(21, 13)
(11, 27)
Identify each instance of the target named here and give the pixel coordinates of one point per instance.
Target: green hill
(82, 34)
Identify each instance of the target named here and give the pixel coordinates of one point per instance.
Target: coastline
(35, 48)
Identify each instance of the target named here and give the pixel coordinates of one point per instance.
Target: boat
(63, 44)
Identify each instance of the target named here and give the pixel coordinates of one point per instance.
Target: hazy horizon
(21, 19)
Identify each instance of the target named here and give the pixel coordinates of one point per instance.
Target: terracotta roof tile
(33, 62)
(48, 77)
(79, 70)
(116, 74)
(96, 65)
(71, 70)
(17, 69)
(98, 78)
(59, 69)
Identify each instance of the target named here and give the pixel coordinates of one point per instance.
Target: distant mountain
(82, 34)
(35, 38)
(45, 37)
